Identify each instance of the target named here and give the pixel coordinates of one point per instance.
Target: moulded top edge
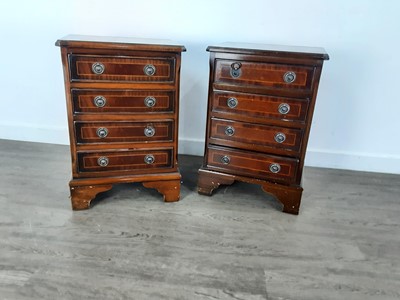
(268, 49)
(122, 42)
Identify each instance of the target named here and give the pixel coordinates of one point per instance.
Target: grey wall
(355, 124)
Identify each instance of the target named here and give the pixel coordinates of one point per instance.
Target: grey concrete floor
(345, 244)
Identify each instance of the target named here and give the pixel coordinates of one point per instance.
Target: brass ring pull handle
(275, 168)
(102, 161)
(229, 131)
(225, 159)
(149, 70)
(149, 159)
(98, 68)
(232, 102)
(99, 101)
(284, 108)
(289, 77)
(280, 137)
(102, 132)
(149, 131)
(150, 101)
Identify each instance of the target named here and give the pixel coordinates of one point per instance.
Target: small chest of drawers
(122, 103)
(260, 107)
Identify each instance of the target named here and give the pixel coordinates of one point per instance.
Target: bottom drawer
(124, 161)
(255, 165)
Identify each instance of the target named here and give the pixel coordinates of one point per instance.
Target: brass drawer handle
(225, 159)
(149, 131)
(99, 101)
(150, 101)
(280, 137)
(102, 132)
(289, 77)
(275, 168)
(229, 131)
(98, 68)
(235, 69)
(102, 161)
(149, 70)
(232, 102)
(149, 159)
(284, 108)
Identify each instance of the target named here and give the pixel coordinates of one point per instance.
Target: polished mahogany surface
(251, 164)
(123, 132)
(133, 43)
(260, 107)
(125, 68)
(264, 74)
(124, 161)
(251, 135)
(271, 49)
(98, 101)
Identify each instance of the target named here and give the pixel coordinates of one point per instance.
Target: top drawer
(258, 74)
(110, 68)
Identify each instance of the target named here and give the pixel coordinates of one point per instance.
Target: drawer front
(121, 132)
(111, 101)
(109, 68)
(124, 160)
(264, 74)
(258, 106)
(257, 165)
(250, 135)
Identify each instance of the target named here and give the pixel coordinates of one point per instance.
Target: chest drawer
(253, 164)
(248, 136)
(121, 132)
(115, 68)
(258, 106)
(125, 101)
(124, 160)
(271, 75)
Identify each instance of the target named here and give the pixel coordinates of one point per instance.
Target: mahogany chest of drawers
(260, 106)
(122, 102)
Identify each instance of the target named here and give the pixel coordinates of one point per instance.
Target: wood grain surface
(235, 245)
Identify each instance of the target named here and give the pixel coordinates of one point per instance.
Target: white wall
(356, 121)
